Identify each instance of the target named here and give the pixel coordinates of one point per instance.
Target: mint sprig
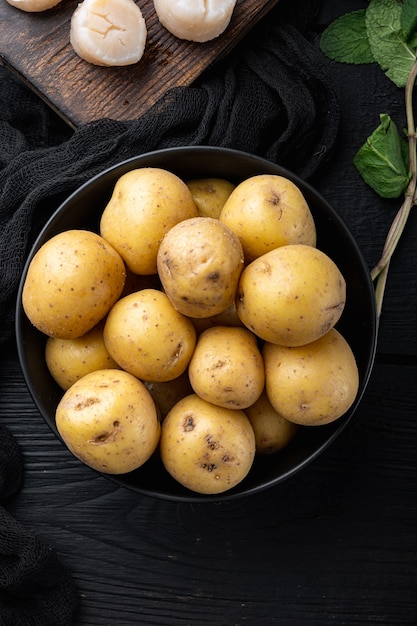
(346, 39)
(380, 271)
(384, 33)
(383, 160)
(409, 19)
(390, 38)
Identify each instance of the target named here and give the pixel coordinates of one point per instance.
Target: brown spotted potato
(72, 282)
(199, 263)
(312, 384)
(292, 295)
(227, 368)
(109, 421)
(207, 448)
(147, 337)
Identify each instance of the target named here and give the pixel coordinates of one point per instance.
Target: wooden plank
(36, 46)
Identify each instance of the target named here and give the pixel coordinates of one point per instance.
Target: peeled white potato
(108, 32)
(195, 20)
(33, 6)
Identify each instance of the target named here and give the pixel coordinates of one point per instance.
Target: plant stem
(380, 288)
(380, 271)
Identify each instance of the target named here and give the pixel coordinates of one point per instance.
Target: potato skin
(210, 195)
(71, 283)
(137, 282)
(292, 295)
(199, 263)
(227, 368)
(228, 317)
(145, 204)
(268, 211)
(147, 337)
(167, 394)
(312, 384)
(206, 448)
(273, 432)
(68, 360)
(109, 421)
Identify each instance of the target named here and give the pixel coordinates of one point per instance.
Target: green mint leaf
(405, 149)
(409, 18)
(386, 38)
(345, 40)
(383, 161)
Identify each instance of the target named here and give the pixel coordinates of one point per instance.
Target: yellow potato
(72, 282)
(109, 421)
(68, 360)
(145, 204)
(228, 317)
(210, 194)
(167, 394)
(206, 448)
(199, 264)
(273, 432)
(147, 337)
(136, 282)
(312, 384)
(268, 211)
(227, 368)
(292, 295)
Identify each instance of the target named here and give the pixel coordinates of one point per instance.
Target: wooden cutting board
(36, 46)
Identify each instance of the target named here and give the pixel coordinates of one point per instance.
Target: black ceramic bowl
(358, 323)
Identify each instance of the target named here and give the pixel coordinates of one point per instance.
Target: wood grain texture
(37, 47)
(335, 544)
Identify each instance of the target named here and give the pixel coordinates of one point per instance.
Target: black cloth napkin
(271, 97)
(35, 588)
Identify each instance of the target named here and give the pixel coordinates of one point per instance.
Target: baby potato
(145, 204)
(207, 448)
(71, 284)
(228, 317)
(312, 384)
(199, 263)
(227, 368)
(292, 295)
(273, 432)
(68, 360)
(136, 282)
(167, 394)
(268, 211)
(210, 194)
(108, 420)
(147, 337)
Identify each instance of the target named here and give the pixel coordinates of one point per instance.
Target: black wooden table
(336, 544)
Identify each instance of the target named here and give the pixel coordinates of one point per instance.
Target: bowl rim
(338, 426)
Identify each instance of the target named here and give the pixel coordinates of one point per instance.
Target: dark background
(336, 544)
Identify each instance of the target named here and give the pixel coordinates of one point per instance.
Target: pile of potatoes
(198, 324)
